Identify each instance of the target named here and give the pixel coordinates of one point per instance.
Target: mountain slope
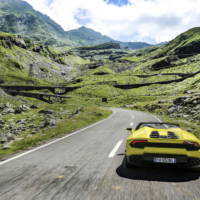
(24, 63)
(184, 45)
(19, 17)
(84, 36)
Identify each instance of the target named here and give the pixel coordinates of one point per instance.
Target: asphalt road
(89, 165)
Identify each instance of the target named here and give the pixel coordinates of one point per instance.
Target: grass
(131, 58)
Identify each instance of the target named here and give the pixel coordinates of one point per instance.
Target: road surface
(89, 165)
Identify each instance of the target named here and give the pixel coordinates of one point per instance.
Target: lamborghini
(153, 143)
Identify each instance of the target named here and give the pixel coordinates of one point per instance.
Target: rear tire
(127, 164)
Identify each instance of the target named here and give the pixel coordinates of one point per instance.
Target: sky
(151, 21)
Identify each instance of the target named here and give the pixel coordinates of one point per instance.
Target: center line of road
(112, 153)
(131, 124)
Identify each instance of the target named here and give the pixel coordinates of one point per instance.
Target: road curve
(89, 165)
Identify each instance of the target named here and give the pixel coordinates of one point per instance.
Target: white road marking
(158, 119)
(112, 153)
(55, 141)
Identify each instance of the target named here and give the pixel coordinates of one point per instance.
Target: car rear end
(163, 147)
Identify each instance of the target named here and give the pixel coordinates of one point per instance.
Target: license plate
(164, 160)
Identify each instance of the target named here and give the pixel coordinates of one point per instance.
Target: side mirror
(129, 129)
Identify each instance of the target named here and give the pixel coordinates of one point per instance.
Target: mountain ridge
(19, 17)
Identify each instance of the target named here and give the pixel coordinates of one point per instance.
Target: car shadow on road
(158, 174)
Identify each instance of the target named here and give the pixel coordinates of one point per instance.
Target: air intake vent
(171, 135)
(154, 134)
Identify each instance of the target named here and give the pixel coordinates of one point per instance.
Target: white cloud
(141, 20)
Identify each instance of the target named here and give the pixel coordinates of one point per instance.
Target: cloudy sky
(151, 21)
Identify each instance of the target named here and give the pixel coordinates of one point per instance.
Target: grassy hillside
(24, 62)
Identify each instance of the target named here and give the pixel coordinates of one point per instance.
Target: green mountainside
(85, 36)
(19, 17)
(184, 45)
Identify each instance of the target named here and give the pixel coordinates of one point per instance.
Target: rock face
(186, 106)
(22, 108)
(192, 48)
(8, 109)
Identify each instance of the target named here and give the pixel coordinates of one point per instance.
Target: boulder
(171, 109)
(189, 92)
(22, 108)
(10, 136)
(181, 100)
(8, 111)
(3, 139)
(2, 122)
(48, 122)
(7, 146)
(21, 121)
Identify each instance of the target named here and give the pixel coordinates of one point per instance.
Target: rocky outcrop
(162, 64)
(186, 107)
(14, 126)
(9, 40)
(188, 50)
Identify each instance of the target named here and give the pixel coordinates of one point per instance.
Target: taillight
(195, 144)
(138, 142)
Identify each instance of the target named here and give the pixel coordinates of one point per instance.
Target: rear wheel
(127, 164)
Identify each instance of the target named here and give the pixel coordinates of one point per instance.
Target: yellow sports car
(161, 144)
